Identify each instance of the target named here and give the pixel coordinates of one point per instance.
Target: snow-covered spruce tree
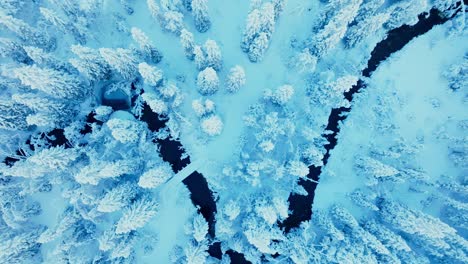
(196, 253)
(457, 75)
(90, 63)
(376, 169)
(298, 169)
(405, 12)
(188, 43)
(148, 50)
(200, 228)
(330, 93)
(45, 59)
(367, 27)
(117, 198)
(153, 8)
(26, 33)
(200, 14)
(136, 216)
(156, 176)
(213, 57)
(53, 112)
(207, 81)
(66, 220)
(20, 247)
(52, 82)
(212, 125)
(281, 96)
(13, 116)
(334, 30)
(13, 50)
(304, 61)
(156, 104)
(121, 60)
(199, 57)
(151, 74)
(203, 108)
(54, 158)
(54, 19)
(236, 79)
(259, 29)
(11, 7)
(172, 21)
(258, 47)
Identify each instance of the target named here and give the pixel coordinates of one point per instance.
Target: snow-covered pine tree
(117, 198)
(52, 82)
(258, 47)
(148, 50)
(26, 33)
(122, 60)
(334, 30)
(13, 50)
(213, 57)
(156, 176)
(207, 81)
(236, 79)
(13, 116)
(212, 125)
(151, 74)
(188, 43)
(136, 216)
(200, 228)
(90, 63)
(200, 14)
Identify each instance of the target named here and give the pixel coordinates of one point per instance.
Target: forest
(243, 131)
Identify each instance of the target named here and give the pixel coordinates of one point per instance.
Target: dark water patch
(215, 250)
(171, 150)
(236, 257)
(154, 121)
(203, 198)
(397, 38)
(116, 104)
(90, 119)
(56, 138)
(300, 205)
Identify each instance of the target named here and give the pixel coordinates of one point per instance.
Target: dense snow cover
(203, 131)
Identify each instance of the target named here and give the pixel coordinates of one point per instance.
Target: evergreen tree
(149, 51)
(200, 228)
(13, 116)
(212, 125)
(152, 75)
(213, 57)
(122, 60)
(207, 81)
(117, 198)
(200, 14)
(188, 43)
(52, 82)
(26, 33)
(90, 63)
(13, 50)
(136, 216)
(334, 30)
(235, 79)
(258, 47)
(154, 177)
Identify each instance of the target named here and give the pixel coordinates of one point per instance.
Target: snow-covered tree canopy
(261, 131)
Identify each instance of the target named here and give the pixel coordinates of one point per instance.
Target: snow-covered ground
(106, 194)
(409, 93)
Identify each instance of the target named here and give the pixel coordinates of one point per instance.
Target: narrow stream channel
(300, 205)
